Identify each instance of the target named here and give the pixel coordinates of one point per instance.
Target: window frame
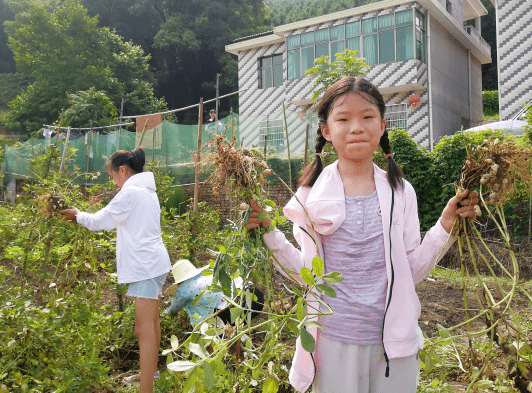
(275, 138)
(356, 29)
(271, 67)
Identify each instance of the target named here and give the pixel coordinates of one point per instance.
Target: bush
(416, 163)
(490, 102)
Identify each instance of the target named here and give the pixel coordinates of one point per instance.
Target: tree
(63, 50)
(7, 64)
(324, 73)
(191, 42)
(90, 107)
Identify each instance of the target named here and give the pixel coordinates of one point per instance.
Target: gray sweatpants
(349, 368)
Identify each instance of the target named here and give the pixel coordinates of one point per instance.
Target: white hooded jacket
(136, 215)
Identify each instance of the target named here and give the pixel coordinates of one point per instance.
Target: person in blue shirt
(190, 282)
(213, 124)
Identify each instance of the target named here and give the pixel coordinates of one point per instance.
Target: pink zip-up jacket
(408, 260)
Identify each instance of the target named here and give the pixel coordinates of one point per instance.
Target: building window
(271, 133)
(386, 38)
(420, 36)
(271, 71)
(382, 39)
(396, 116)
(449, 7)
(337, 40)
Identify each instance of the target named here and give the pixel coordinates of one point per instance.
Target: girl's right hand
(69, 214)
(254, 221)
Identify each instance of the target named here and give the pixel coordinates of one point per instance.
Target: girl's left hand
(69, 214)
(463, 205)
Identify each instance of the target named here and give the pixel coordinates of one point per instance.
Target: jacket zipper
(387, 373)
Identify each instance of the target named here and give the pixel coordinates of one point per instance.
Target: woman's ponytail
(134, 160)
(313, 170)
(137, 159)
(393, 170)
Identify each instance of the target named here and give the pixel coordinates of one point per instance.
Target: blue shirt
(187, 291)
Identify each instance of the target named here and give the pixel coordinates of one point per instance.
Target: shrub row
(490, 101)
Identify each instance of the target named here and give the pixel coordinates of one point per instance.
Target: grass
(490, 117)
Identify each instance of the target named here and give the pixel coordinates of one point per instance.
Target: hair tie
(388, 155)
(318, 154)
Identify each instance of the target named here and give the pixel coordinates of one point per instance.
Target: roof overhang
(284, 30)
(435, 9)
(438, 12)
(474, 9)
(254, 43)
(384, 90)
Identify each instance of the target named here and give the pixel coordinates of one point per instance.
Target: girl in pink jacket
(367, 228)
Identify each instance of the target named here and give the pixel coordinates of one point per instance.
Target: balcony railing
(477, 38)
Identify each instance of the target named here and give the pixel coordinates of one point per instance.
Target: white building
(416, 47)
(514, 54)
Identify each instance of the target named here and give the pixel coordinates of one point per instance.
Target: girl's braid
(393, 170)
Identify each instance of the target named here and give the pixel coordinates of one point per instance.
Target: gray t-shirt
(356, 250)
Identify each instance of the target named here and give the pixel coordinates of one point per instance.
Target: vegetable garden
(66, 326)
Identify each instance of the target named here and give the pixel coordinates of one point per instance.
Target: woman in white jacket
(141, 257)
(367, 228)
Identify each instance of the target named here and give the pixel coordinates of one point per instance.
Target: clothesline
(90, 128)
(150, 114)
(182, 109)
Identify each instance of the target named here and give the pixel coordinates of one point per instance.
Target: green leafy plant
(90, 107)
(490, 102)
(325, 73)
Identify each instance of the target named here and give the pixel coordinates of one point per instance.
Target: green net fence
(169, 144)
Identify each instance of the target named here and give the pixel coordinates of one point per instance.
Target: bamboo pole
(153, 145)
(165, 144)
(198, 152)
(55, 144)
(144, 130)
(287, 147)
(120, 122)
(64, 151)
(232, 132)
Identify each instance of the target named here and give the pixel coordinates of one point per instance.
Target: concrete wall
(514, 21)
(476, 92)
(457, 9)
(450, 85)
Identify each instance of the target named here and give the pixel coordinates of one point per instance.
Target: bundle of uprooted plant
(240, 172)
(492, 169)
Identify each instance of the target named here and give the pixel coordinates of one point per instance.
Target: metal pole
(265, 144)
(64, 151)
(198, 152)
(217, 98)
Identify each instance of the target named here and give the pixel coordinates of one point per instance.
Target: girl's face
(354, 127)
(119, 176)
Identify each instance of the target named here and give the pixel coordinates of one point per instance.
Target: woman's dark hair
(134, 160)
(340, 88)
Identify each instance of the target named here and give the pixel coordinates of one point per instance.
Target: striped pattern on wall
(257, 104)
(515, 55)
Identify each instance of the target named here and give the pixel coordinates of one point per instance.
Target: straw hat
(182, 271)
